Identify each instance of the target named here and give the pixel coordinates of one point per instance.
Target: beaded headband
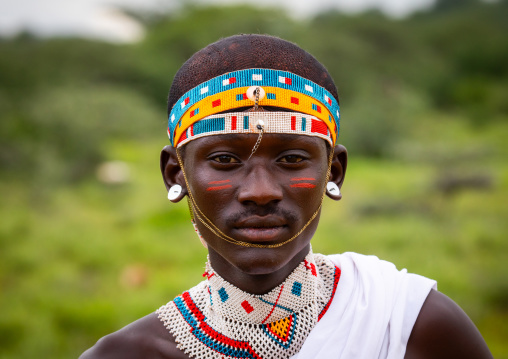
(230, 91)
(247, 122)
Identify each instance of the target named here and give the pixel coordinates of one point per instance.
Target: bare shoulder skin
(142, 339)
(443, 330)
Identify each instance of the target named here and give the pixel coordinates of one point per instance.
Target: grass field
(78, 262)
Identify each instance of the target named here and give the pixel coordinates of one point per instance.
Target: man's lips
(260, 229)
(260, 222)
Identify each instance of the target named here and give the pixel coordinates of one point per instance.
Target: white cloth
(372, 314)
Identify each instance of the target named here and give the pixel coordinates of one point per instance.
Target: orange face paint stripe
(303, 185)
(219, 182)
(216, 188)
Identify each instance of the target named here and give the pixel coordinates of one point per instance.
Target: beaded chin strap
(195, 115)
(197, 213)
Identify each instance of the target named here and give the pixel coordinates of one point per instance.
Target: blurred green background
(89, 242)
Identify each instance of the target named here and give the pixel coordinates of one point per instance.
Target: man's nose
(260, 187)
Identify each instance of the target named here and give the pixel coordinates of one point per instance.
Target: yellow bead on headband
(229, 91)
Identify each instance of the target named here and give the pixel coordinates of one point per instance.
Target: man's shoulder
(145, 338)
(443, 330)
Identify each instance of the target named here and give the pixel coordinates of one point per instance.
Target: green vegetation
(424, 109)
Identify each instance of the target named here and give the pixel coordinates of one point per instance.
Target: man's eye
(291, 159)
(225, 159)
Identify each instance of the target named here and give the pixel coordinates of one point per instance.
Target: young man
(253, 123)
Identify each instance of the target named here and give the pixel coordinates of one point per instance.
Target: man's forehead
(244, 142)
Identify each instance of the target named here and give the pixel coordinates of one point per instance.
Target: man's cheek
(219, 185)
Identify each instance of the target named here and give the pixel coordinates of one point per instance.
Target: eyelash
(231, 158)
(287, 159)
(297, 157)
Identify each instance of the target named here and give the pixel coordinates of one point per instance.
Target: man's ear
(338, 170)
(172, 172)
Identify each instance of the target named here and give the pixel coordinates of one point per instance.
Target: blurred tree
(454, 54)
(406, 87)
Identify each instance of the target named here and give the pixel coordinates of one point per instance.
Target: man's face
(266, 199)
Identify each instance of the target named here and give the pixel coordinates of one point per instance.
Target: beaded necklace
(217, 320)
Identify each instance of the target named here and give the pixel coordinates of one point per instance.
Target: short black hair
(248, 51)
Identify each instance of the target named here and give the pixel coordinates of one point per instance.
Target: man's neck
(254, 283)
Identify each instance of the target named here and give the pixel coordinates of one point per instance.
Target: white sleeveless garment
(372, 314)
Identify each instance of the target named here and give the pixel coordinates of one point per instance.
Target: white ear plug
(174, 192)
(332, 189)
